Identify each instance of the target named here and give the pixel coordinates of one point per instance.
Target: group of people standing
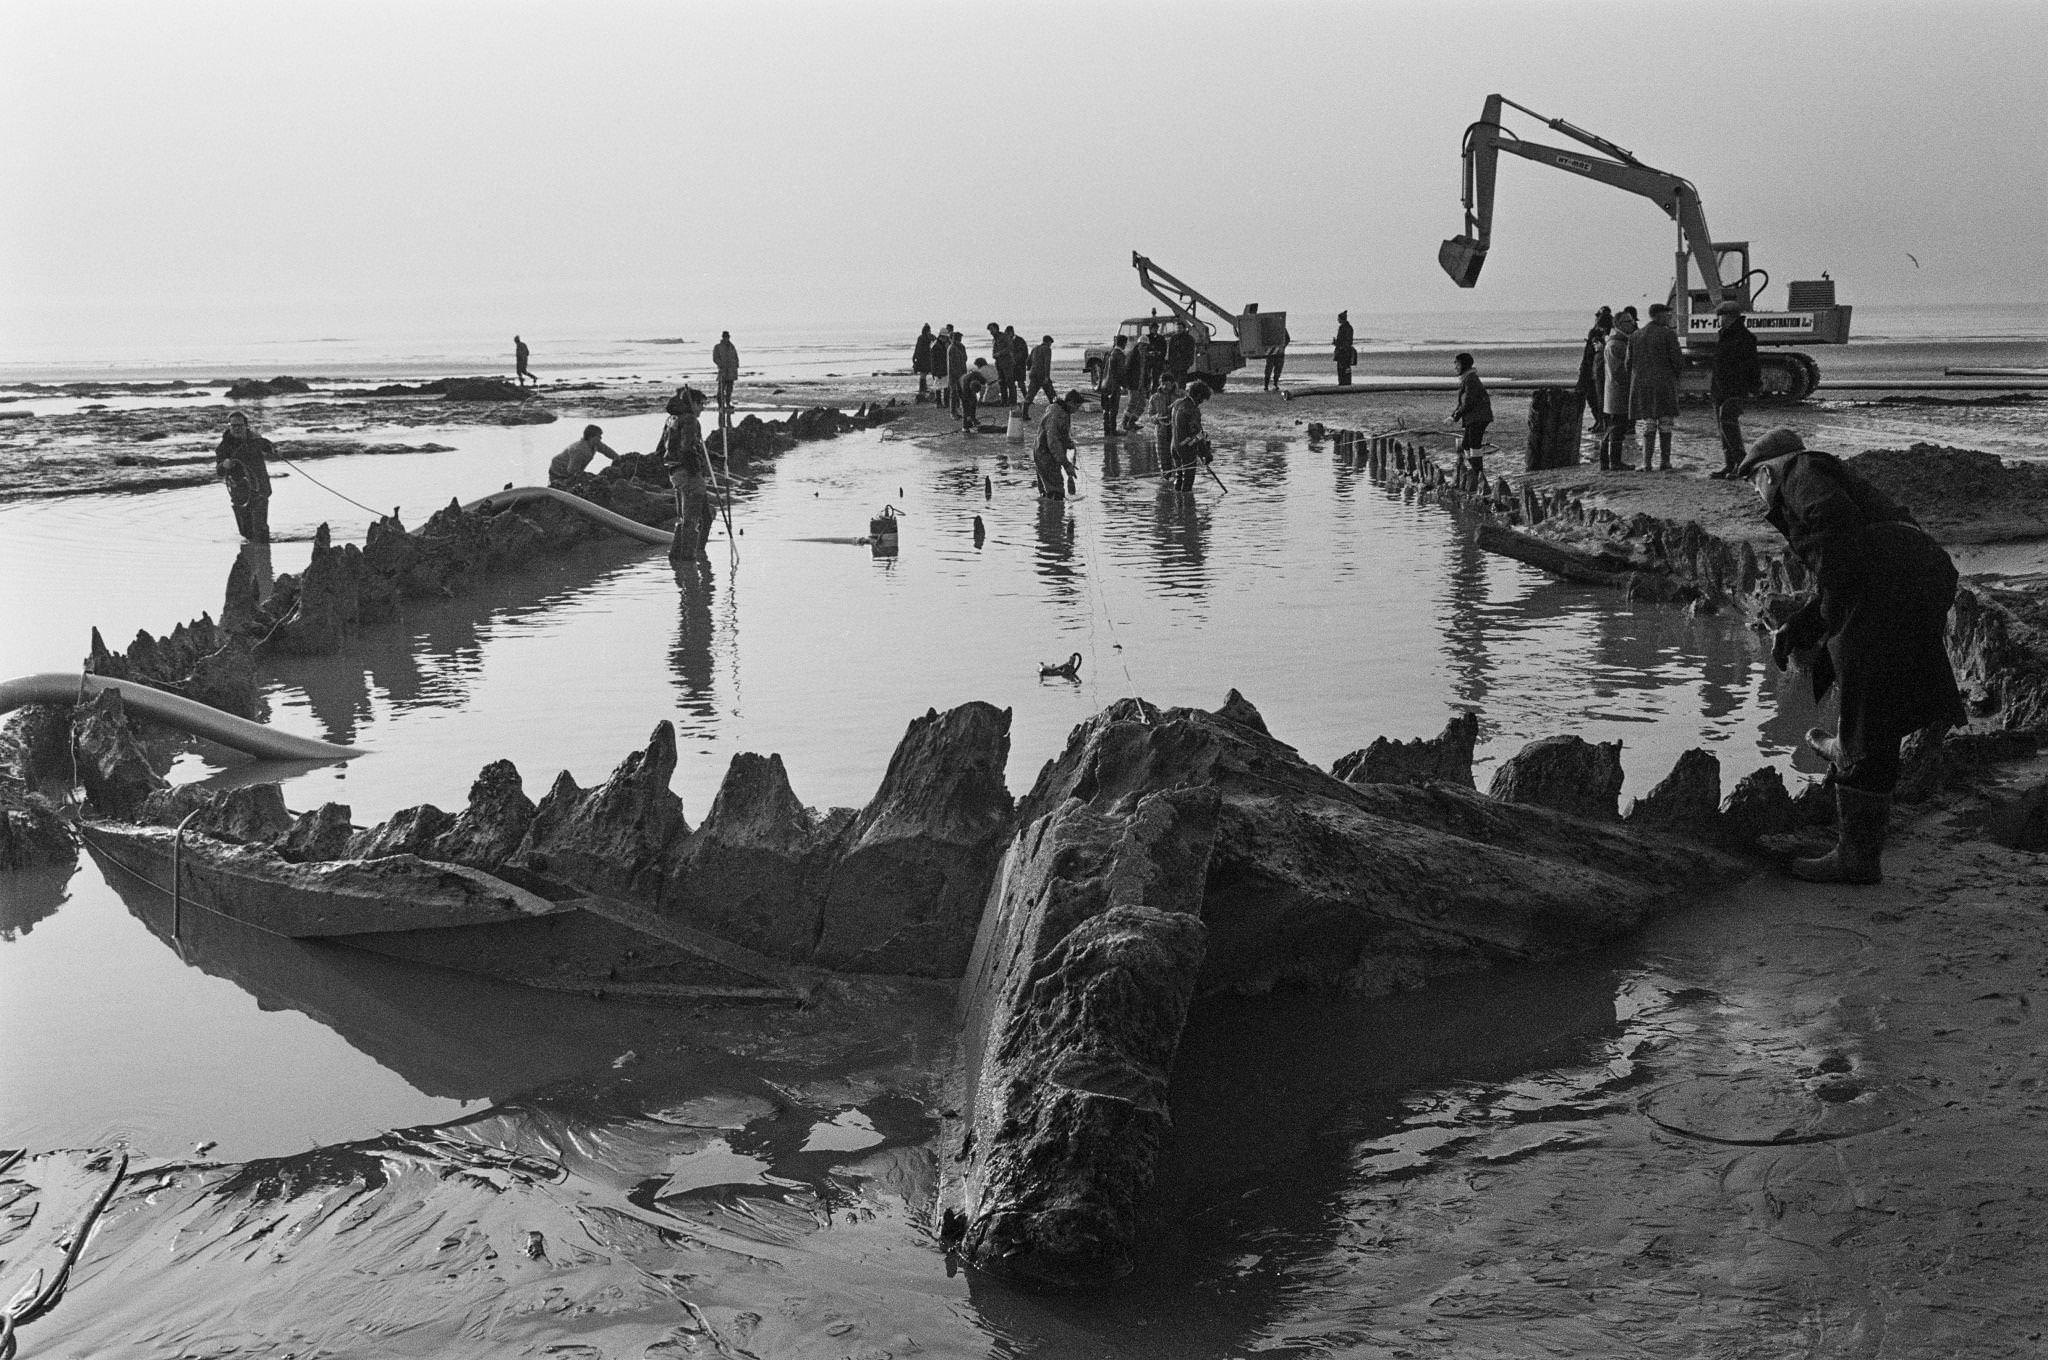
(1628, 378)
(1016, 368)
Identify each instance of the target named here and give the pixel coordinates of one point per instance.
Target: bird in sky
(1914, 258)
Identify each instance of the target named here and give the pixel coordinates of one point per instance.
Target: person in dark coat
(682, 455)
(1115, 369)
(956, 370)
(1475, 408)
(1591, 369)
(1020, 360)
(921, 361)
(1012, 355)
(520, 354)
(1873, 632)
(1342, 350)
(243, 461)
(1040, 379)
(1180, 354)
(972, 386)
(1053, 457)
(1737, 374)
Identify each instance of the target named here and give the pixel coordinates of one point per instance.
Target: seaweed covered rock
(755, 871)
(256, 389)
(911, 874)
(33, 834)
(324, 833)
(248, 813)
(1687, 801)
(1445, 758)
(1168, 856)
(1569, 774)
(200, 660)
(112, 764)
(488, 831)
(1079, 988)
(35, 741)
(619, 837)
(411, 831)
(1758, 806)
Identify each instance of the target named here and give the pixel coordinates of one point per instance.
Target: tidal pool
(1341, 611)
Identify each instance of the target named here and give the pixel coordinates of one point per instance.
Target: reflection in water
(1181, 521)
(691, 658)
(27, 896)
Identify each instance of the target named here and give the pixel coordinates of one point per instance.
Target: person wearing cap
(688, 465)
(1591, 370)
(921, 360)
(1180, 353)
(1053, 458)
(242, 460)
(1655, 359)
(1614, 393)
(566, 466)
(1345, 353)
(1475, 408)
(1736, 375)
(1040, 379)
(1012, 354)
(1115, 372)
(1187, 444)
(1159, 410)
(726, 358)
(1873, 632)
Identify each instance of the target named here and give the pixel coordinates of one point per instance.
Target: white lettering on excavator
(1757, 321)
(1584, 167)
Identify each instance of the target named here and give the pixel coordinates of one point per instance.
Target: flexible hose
(172, 710)
(632, 528)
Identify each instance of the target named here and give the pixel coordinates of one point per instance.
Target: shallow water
(1341, 611)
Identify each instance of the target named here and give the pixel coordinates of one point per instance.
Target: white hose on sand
(172, 710)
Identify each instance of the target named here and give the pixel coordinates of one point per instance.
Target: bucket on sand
(882, 532)
(1014, 431)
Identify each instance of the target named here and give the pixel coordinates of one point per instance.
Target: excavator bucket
(1462, 258)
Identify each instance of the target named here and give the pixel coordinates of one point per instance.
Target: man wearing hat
(1873, 632)
(1736, 375)
(1054, 456)
(688, 465)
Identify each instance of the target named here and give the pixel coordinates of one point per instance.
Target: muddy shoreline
(1485, 1228)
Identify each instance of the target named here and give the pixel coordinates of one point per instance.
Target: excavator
(1255, 333)
(1812, 317)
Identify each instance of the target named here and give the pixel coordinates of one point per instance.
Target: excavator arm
(1463, 256)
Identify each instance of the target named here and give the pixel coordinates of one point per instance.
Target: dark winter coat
(1041, 364)
(245, 463)
(1736, 370)
(1115, 369)
(1655, 359)
(1881, 608)
(921, 357)
(1475, 407)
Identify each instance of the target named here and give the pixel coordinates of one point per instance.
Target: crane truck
(1812, 317)
(1255, 334)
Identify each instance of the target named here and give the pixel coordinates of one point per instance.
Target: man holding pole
(688, 465)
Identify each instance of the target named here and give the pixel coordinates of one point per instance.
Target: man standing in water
(688, 465)
(726, 359)
(243, 462)
(1054, 456)
(1187, 443)
(519, 353)
(1873, 632)
(1115, 369)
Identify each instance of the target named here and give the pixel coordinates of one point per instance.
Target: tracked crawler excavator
(1812, 316)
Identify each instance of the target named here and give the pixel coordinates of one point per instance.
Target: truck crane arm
(1463, 256)
(1180, 298)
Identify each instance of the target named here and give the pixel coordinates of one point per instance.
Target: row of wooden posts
(1400, 463)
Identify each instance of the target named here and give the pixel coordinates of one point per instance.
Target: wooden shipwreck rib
(536, 933)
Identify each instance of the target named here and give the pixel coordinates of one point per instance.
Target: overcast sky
(249, 169)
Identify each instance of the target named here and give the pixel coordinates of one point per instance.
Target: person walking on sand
(726, 358)
(1591, 369)
(1873, 632)
(519, 355)
(956, 369)
(1115, 369)
(242, 460)
(1620, 428)
(1345, 353)
(1474, 410)
(1276, 360)
(1736, 375)
(1002, 358)
(1020, 361)
(1053, 458)
(1040, 379)
(1655, 359)
(921, 361)
(688, 465)
(565, 467)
